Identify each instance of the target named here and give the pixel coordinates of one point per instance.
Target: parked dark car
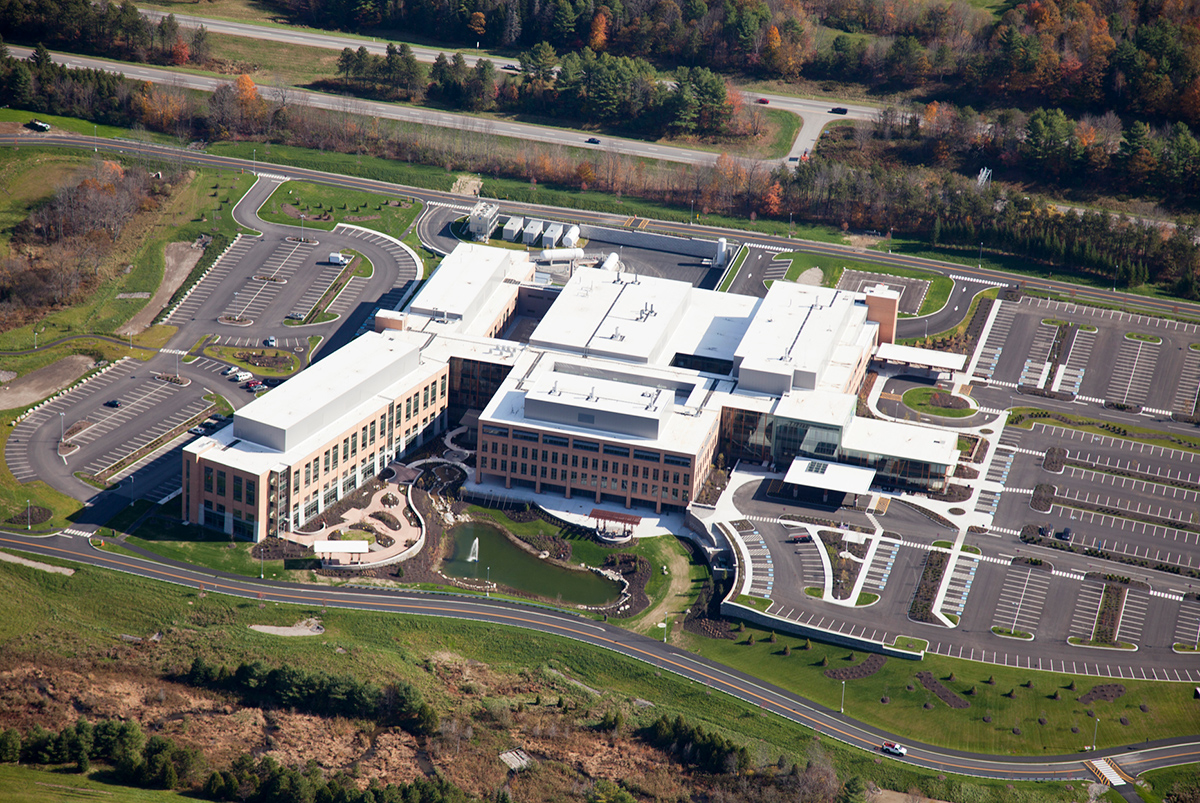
(114, 403)
(839, 110)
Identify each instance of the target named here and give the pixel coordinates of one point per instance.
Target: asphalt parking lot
(1128, 359)
(912, 291)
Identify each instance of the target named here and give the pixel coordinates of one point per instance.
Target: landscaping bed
(1106, 692)
(845, 570)
(1029, 535)
(1108, 618)
(1055, 459)
(873, 663)
(1175, 482)
(921, 608)
(1043, 497)
(943, 693)
(953, 493)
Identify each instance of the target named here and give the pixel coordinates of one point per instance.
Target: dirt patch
(294, 213)
(37, 385)
(309, 627)
(863, 242)
(180, 258)
(943, 693)
(869, 667)
(1108, 692)
(812, 276)
(467, 184)
(360, 218)
(888, 796)
(33, 564)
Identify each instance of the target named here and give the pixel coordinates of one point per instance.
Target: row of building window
(491, 430)
(597, 464)
(552, 472)
(243, 489)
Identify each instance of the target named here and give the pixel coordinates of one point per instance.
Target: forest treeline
(928, 203)
(1141, 57)
(60, 250)
(260, 686)
(160, 763)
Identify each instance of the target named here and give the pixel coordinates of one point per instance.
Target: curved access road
(650, 651)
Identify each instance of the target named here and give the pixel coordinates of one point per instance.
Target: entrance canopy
(911, 355)
(619, 518)
(351, 547)
(830, 476)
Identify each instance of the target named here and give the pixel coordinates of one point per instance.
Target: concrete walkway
(407, 536)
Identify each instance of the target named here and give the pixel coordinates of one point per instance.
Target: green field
(21, 784)
(1171, 709)
(339, 205)
(393, 646)
(1160, 782)
(919, 399)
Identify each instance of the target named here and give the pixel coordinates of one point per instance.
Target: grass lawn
(77, 126)
(1171, 709)
(205, 547)
(374, 646)
(1160, 782)
(228, 354)
(429, 260)
(29, 176)
(833, 267)
(919, 399)
(21, 784)
(732, 273)
(341, 205)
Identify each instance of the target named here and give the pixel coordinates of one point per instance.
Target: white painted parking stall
(1188, 390)
(1070, 378)
(257, 294)
(315, 289)
(1187, 624)
(990, 350)
(1132, 372)
(1133, 617)
(147, 436)
(959, 585)
(1022, 599)
(1077, 667)
(1118, 502)
(881, 567)
(1087, 605)
(16, 450)
(987, 502)
(1001, 463)
(811, 567)
(190, 306)
(762, 568)
(1037, 365)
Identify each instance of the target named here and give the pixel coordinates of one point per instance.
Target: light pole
(302, 228)
(95, 145)
(260, 560)
(981, 255)
(842, 709)
(1095, 730)
(663, 625)
(253, 160)
(28, 516)
(487, 590)
(62, 434)
(176, 366)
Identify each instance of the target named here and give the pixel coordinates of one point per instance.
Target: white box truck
(339, 259)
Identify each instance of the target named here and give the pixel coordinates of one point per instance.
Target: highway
(814, 112)
(713, 675)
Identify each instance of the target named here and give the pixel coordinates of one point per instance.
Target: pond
(514, 567)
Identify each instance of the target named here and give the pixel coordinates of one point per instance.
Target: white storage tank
(561, 254)
(611, 262)
(571, 238)
(721, 252)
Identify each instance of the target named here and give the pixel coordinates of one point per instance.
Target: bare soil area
(309, 627)
(179, 259)
(37, 385)
(33, 564)
(467, 184)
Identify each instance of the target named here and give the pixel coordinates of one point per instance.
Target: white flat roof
(896, 439)
(716, 324)
(830, 476)
(349, 547)
(322, 394)
(942, 360)
(613, 314)
(467, 277)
